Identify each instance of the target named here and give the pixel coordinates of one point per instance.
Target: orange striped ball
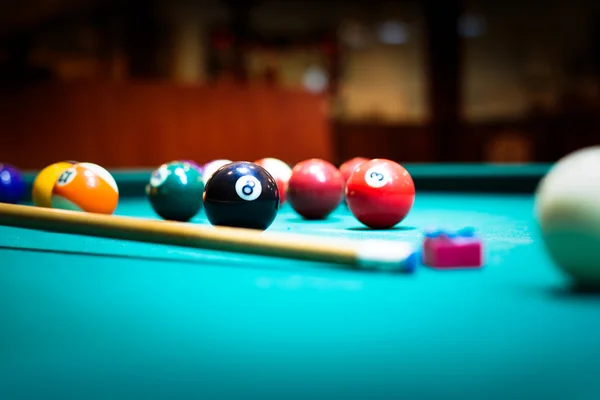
(41, 192)
(86, 187)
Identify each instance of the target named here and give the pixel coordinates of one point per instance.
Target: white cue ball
(567, 206)
(212, 167)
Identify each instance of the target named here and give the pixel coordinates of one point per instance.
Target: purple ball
(12, 185)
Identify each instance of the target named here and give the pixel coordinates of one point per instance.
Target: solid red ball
(350, 165)
(380, 193)
(315, 189)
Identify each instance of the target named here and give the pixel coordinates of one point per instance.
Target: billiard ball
(101, 172)
(12, 185)
(278, 170)
(210, 168)
(315, 189)
(195, 165)
(175, 191)
(85, 187)
(43, 184)
(380, 193)
(242, 195)
(350, 165)
(567, 209)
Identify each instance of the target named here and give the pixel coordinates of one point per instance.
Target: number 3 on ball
(248, 187)
(376, 177)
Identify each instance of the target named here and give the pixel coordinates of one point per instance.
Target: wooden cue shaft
(247, 241)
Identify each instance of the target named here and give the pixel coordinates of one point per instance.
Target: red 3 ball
(315, 189)
(380, 193)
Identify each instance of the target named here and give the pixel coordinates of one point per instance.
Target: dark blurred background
(136, 83)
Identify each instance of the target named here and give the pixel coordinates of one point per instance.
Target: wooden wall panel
(401, 143)
(133, 125)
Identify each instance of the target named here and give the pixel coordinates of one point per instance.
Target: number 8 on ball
(248, 188)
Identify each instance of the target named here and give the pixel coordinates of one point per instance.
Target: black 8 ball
(241, 195)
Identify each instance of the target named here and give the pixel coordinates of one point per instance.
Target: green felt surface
(95, 318)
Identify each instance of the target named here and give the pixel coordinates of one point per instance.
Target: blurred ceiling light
(471, 26)
(315, 79)
(393, 32)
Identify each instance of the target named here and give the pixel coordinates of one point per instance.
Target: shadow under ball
(241, 195)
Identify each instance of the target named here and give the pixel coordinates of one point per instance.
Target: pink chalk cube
(458, 252)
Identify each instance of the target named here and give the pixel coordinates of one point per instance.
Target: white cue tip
(384, 255)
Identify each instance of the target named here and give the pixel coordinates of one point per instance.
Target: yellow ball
(44, 182)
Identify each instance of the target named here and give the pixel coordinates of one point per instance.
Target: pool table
(85, 318)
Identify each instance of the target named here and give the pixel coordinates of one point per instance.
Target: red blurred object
(223, 39)
(380, 193)
(444, 252)
(315, 189)
(349, 166)
(329, 45)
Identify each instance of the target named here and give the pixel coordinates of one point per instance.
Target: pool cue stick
(382, 255)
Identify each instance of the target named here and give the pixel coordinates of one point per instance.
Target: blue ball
(12, 184)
